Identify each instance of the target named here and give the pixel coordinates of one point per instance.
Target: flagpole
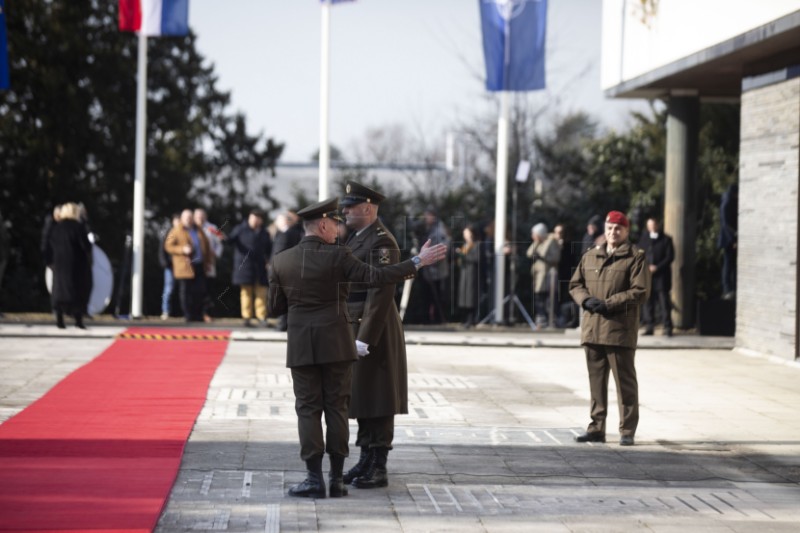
(500, 208)
(324, 100)
(138, 182)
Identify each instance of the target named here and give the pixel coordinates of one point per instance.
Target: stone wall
(766, 303)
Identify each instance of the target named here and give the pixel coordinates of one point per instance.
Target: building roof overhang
(717, 72)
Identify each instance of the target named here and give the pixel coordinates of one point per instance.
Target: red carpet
(101, 450)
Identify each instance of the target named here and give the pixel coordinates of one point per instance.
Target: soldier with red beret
(610, 284)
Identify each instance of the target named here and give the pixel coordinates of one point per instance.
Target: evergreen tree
(67, 129)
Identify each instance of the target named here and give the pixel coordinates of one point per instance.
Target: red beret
(617, 217)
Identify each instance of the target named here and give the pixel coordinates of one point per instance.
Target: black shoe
(668, 333)
(594, 436)
(313, 486)
(648, 331)
(336, 487)
(361, 467)
(626, 440)
(248, 323)
(376, 476)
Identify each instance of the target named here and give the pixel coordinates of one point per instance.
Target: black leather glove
(591, 303)
(601, 307)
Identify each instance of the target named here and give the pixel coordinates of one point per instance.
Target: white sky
(414, 62)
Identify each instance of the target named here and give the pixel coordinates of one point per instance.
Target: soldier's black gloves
(590, 303)
(595, 305)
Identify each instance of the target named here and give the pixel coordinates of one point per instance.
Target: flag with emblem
(514, 43)
(4, 77)
(154, 17)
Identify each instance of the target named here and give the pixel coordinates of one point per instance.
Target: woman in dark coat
(71, 254)
(470, 286)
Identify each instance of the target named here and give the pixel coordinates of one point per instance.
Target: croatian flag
(513, 43)
(4, 79)
(154, 17)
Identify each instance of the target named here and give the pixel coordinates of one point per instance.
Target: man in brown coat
(310, 282)
(380, 377)
(610, 283)
(192, 259)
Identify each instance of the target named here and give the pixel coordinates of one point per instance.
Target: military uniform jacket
(622, 281)
(380, 380)
(310, 283)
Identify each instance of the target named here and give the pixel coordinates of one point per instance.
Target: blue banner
(513, 43)
(4, 78)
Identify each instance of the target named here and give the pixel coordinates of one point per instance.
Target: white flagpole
(138, 182)
(324, 100)
(500, 208)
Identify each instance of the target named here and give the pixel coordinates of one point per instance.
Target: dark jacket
(286, 239)
(310, 282)
(659, 252)
(380, 380)
(622, 281)
(71, 253)
(251, 251)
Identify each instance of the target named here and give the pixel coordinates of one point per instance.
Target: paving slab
(488, 444)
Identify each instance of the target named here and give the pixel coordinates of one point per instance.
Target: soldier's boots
(336, 486)
(376, 475)
(314, 485)
(361, 466)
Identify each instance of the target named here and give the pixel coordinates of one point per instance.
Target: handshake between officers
(310, 282)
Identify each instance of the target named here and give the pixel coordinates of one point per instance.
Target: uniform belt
(360, 296)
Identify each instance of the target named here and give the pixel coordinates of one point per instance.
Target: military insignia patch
(380, 232)
(383, 256)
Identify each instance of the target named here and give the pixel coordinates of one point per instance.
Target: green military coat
(380, 380)
(622, 281)
(310, 283)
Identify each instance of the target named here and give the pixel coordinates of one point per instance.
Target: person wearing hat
(380, 377)
(610, 284)
(311, 283)
(252, 247)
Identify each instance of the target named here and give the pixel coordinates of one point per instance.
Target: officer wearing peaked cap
(310, 283)
(380, 377)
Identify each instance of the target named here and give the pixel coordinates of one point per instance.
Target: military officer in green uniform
(610, 284)
(380, 376)
(309, 282)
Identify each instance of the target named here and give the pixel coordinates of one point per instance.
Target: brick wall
(768, 219)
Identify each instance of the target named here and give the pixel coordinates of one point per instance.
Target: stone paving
(488, 443)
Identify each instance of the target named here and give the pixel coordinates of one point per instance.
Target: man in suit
(310, 282)
(380, 377)
(660, 253)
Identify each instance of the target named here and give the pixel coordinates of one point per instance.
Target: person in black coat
(471, 283)
(70, 251)
(289, 234)
(252, 247)
(660, 253)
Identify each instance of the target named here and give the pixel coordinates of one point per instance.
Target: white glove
(362, 348)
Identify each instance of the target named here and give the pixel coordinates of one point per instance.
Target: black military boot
(375, 476)
(313, 486)
(336, 486)
(361, 466)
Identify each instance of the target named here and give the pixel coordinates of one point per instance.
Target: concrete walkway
(488, 443)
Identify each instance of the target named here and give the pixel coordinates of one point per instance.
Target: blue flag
(4, 80)
(513, 43)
